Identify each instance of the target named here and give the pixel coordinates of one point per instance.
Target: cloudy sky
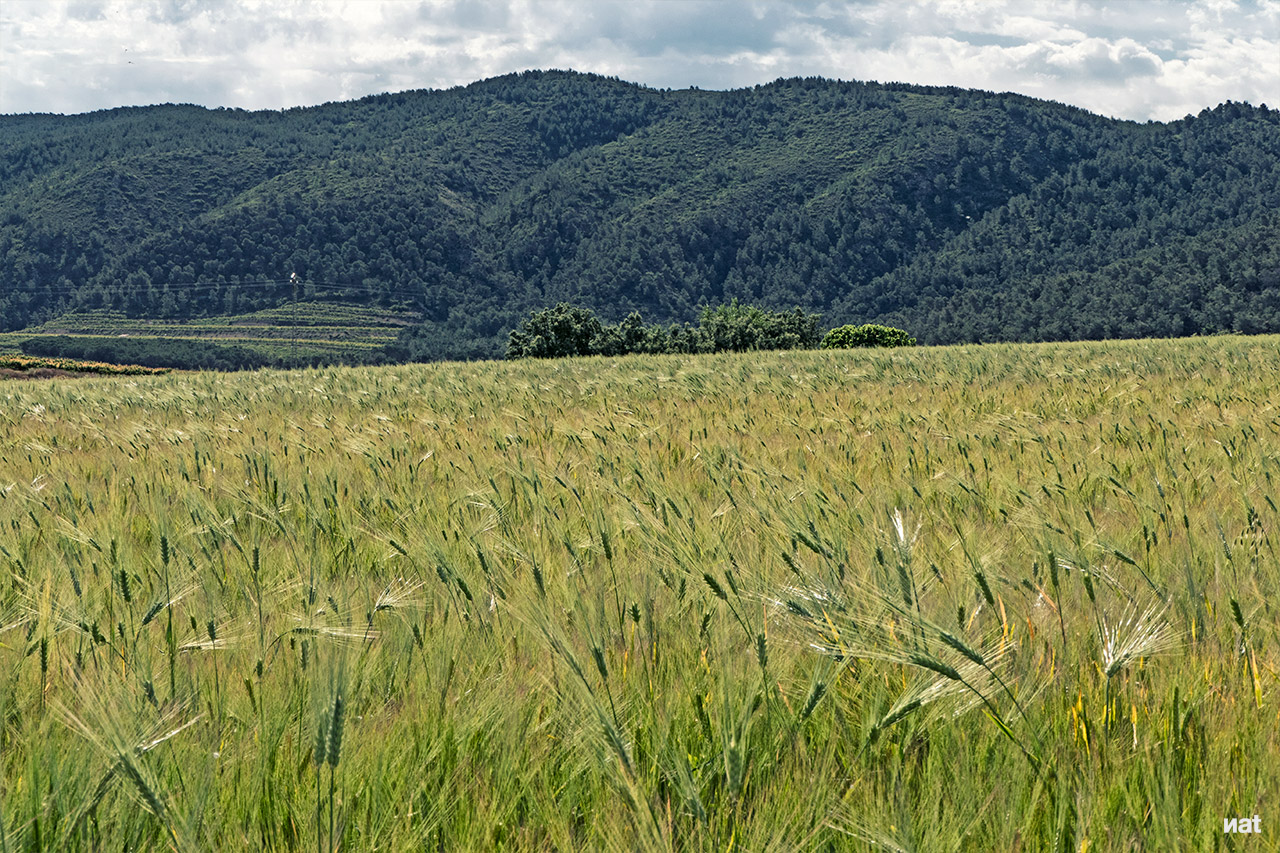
(1142, 59)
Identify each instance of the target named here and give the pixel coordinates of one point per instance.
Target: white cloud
(1142, 59)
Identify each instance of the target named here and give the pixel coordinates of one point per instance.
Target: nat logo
(1242, 825)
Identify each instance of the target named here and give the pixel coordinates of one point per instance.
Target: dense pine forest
(958, 215)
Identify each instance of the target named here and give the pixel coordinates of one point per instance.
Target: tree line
(570, 330)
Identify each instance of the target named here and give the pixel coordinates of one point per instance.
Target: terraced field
(301, 330)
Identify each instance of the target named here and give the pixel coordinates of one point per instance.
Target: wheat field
(973, 598)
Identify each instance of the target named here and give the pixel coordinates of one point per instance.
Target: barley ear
(322, 740)
(335, 729)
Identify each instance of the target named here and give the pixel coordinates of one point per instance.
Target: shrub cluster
(27, 364)
(567, 330)
(866, 335)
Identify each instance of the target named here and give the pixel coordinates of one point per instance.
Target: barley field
(989, 598)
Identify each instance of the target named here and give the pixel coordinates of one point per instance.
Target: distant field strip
(978, 598)
(306, 329)
(317, 315)
(275, 338)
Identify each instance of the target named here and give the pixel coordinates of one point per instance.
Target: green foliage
(743, 328)
(866, 335)
(557, 332)
(36, 365)
(633, 335)
(962, 214)
(566, 330)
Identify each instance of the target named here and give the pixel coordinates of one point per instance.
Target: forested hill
(959, 215)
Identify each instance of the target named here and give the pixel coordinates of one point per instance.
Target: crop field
(987, 598)
(302, 329)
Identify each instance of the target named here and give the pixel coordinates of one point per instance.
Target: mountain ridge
(926, 207)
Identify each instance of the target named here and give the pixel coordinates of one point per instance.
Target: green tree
(564, 330)
(866, 335)
(743, 328)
